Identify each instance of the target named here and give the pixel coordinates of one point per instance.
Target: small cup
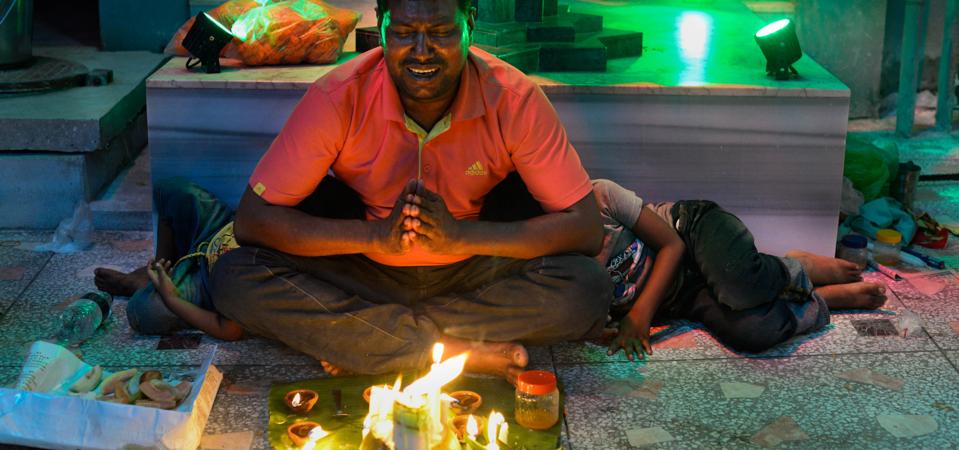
(299, 432)
(368, 392)
(458, 424)
(466, 402)
(307, 400)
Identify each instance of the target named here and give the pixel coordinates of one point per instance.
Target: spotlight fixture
(780, 46)
(204, 41)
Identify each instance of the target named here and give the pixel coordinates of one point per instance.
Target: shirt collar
(467, 105)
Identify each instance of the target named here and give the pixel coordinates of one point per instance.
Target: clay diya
(369, 390)
(299, 432)
(300, 401)
(458, 424)
(466, 402)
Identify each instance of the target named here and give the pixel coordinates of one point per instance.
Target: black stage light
(204, 41)
(780, 45)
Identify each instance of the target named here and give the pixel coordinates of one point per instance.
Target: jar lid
(888, 236)
(854, 241)
(536, 382)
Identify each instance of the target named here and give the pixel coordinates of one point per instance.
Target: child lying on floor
(693, 260)
(171, 292)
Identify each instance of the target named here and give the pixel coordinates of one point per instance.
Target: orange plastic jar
(537, 400)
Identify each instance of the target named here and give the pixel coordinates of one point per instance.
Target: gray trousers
(370, 318)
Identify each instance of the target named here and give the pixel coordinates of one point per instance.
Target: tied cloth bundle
(929, 233)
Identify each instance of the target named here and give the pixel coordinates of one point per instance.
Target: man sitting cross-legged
(422, 129)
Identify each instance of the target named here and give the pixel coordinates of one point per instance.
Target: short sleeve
(617, 202)
(302, 153)
(541, 152)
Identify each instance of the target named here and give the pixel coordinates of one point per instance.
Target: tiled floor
(611, 402)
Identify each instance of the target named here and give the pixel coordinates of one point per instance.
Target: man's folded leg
(540, 301)
(269, 294)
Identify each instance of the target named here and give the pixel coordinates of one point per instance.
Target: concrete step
(127, 203)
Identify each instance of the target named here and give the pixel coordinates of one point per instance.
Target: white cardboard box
(60, 421)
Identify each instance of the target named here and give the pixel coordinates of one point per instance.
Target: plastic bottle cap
(536, 382)
(888, 236)
(854, 241)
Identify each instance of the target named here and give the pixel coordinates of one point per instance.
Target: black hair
(383, 6)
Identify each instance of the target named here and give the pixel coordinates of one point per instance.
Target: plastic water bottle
(82, 317)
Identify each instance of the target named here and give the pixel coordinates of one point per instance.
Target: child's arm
(208, 322)
(633, 336)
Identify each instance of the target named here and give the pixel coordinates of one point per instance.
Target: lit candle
(296, 400)
(495, 419)
(437, 353)
(315, 435)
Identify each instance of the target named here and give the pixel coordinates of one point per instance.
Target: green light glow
(772, 28)
(217, 22)
(253, 23)
(694, 30)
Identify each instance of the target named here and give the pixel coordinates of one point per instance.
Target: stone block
(620, 44)
(499, 34)
(367, 38)
(543, 32)
(550, 8)
(28, 200)
(495, 11)
(529, 10)
(522, 57)
(583, 23)
(584, 56)
(96, 114)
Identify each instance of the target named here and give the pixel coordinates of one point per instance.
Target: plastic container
(886, 249)
(82, 317)
(537, 400)
(852, 248)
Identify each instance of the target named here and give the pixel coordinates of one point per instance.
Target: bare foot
(332, 370)
(495, 358)
(119, 283)
(861, 295)
(823, 270)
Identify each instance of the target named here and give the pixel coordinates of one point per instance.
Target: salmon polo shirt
(351, 122)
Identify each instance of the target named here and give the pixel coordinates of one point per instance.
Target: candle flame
(440, 375)
(315, 435)
(296, 400)
(437, 352)
(472, 428)
(495, 419)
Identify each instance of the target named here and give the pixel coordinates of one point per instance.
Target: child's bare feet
(861, 295)
(824, 270)
(159, 274)
(119, 283)
(494, 358)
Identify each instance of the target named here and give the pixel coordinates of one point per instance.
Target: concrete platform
(694, 117)
(61, 147)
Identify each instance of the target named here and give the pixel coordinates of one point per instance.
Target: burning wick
(472, 429)
(495, 420)
(437, 353)
(296, 400)
(315, 435)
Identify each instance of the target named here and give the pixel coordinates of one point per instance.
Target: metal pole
(921, 39)
(946, 70)
(905, 111)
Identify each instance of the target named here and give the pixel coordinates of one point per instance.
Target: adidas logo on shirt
(476, 169)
